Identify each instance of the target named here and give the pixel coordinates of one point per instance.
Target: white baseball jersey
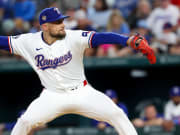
(60, 65)
(172, 111)
(60, 68)
(160, 16)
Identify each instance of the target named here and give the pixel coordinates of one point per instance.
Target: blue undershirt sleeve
(108, 38)
(4, 43)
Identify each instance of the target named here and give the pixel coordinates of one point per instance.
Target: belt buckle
(83, 84)
(74, 88)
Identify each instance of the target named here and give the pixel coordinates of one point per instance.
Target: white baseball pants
(85, 101)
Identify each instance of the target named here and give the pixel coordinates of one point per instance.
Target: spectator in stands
(156, 4)
(141, 12)
(150, 117)
(113, 95)
(176, 2)
(54, 3)
(142, 28)
(117, 24)
(41, 4)
(6, 10)
(82, 21)
(176, 49)
(172, 109)
(21, 26)
(161, 15)
(8, 27)
(70, 22)
(69, 4)
(99, 15)
(107, 50)
(1, 11)
(166, 41)
(177, 29)
(125, 6)
(84, 4)
(35, 26)
(24, 9)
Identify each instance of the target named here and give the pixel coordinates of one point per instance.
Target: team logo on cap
(44, 18)
(57, 10)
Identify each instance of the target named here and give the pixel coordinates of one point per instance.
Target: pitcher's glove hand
(139, 43)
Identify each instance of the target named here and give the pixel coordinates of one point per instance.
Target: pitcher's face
(56, 29)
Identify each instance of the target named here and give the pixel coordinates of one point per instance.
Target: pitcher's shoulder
(28, 35)
(68, 31)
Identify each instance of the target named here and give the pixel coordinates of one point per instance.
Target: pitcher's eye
(58, 21)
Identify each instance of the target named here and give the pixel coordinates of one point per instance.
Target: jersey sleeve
(86, 38)
(18, 44)
(82, 39)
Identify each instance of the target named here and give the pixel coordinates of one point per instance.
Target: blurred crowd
(151, 112)
(157, 20)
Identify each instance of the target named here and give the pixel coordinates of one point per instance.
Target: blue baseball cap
(50, 15)
(175, 91)
(111, 93)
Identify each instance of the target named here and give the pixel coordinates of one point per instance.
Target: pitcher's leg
(97, 105)
(42, 110)
(121, 123)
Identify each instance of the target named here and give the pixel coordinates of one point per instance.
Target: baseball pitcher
(56, 55)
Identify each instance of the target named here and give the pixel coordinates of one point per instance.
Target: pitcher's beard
(58, 36)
